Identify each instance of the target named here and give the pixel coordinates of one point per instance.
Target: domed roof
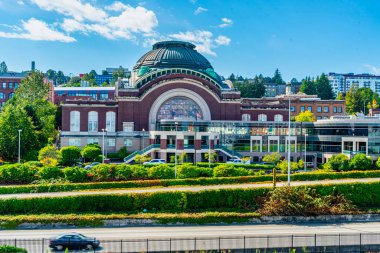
(173, 54)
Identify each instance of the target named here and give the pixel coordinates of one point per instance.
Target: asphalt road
(188, 238)
(183, 188)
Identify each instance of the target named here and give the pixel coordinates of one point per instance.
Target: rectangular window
(325, 109)
(339, 109)
(319, 109)
(319, 117)
(4, 86)
(92, 140)
(111, 142)
(335, 109)
(16, 85)
(302, 108)
(74, 142)
(10, 85)
(128, 127)
(310, 108)
(128, 142)
(103, 96)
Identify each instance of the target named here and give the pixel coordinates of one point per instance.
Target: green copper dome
(173, 54)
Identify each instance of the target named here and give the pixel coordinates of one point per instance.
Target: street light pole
(103, 146)
(175, 154)
(304, 162)
(19, 145)
(209, 151)
(289, 145)
(143, 130)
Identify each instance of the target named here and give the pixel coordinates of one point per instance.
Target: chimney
(33, 67)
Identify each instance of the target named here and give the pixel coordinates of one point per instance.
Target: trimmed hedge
(11, 249)
(361, 194)
(124, 174)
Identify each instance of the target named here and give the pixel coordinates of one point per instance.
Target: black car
(73, 241)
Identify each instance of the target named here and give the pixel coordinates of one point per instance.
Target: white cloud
(116, 6)
(222, 40)
(38, 30)
(374, 70)
(203, 40)
(226, 22)
(199, 10)
(20, 2)
(73, 8)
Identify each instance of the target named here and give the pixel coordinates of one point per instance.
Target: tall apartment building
(343, 82)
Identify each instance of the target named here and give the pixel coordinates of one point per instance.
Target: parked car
(73, 241)
(237, 161)
(155, 161)
(91, 165)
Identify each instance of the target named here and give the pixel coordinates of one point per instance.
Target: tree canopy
(252, 89)
(3, 67)
(306, 116)
(277, 78)
(320, 86)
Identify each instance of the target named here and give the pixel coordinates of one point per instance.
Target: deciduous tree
(306, 116)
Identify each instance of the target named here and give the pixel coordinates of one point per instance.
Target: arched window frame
(111, 121)
(262, 117)
(246, 117)
(75, 121)
(92, 121)
(278, 118)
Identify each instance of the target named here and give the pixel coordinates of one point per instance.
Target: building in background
(342, 82)
(83, 93)
(9, 82)
(100, 79)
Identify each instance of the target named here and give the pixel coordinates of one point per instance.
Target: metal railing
(341, 243)
(131, 157)
(227, 151)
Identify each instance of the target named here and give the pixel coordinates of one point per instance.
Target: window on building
(319, 109)
(110, 121)
(16, 85)
(319, 117)
(10, 85)
(325, 109)
(93, 121)
(128, 127)
(74, 121)
(292, 109)
(4, 86)
(335, 109)
(104, 96)
(74, 142)
(262, 117)
(246, 117)
(2, 96)
(128, 142)
(11, 95)
(302, 108)
(278, 117)
(310, 108)
(111, 142)
(339, 109)
(93, 140)
(179, 108)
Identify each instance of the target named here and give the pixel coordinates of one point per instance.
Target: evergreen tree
(354, 101)
(232, 78)
(3, 67)
(308, 87)
(323, 87)
(277, 78)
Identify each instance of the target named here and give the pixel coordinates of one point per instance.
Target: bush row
(361, 195)
(65, 186)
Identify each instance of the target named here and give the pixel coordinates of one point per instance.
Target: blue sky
(246, 37)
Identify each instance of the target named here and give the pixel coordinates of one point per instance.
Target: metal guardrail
(130, 157)
(342, 243)
(228, 151)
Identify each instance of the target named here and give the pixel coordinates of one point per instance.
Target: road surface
(183, 188)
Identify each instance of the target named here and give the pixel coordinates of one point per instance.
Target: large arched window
(74, 121)
(262, 117)
(110, 121)
(179, 108)
(93, 121)
(278, 117)
(246, 117)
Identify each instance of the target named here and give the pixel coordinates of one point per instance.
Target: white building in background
(343, 82)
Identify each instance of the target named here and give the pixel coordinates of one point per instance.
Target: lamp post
(175, 154)
(19, 145)
(305, 150)
(143, 134)
(289, 145)
(209, 150)
(103, 145)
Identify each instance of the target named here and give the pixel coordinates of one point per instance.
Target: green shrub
(11, 249)
(33, 164)
(229, 170)
(17, 173)
(191, 171)
(124, 172)
(69, 155)
(161, 171)
(337, 162)
(75, 174)
(360, 162)
(283, 166)
(91, 152)
(139, 172)
(104, 172)
(49, 172)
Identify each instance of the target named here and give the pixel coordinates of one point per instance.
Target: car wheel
(89, 246)
(59, 247)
